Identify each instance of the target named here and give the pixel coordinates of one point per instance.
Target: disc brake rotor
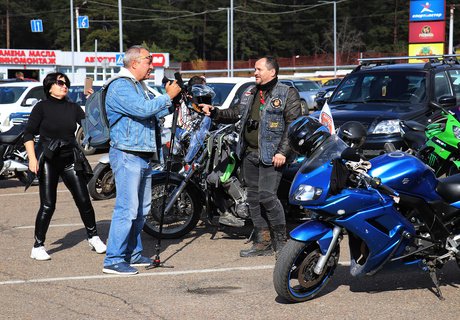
(307, 277)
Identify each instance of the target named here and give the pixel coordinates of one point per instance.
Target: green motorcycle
(441, 150)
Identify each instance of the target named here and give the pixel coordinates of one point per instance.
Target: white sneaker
(39, 254)
(97, 244)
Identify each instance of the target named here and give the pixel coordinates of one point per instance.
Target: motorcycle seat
(449, 188)
(11, 136)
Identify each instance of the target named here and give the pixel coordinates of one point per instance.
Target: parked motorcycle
(191, 190)
(102, 184)
(436, 144)
(13, 156)
(393, 209)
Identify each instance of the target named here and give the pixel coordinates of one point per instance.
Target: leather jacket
(282, 108)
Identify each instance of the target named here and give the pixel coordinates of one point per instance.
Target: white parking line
(167, 273)
(59, 225)
(26, 193)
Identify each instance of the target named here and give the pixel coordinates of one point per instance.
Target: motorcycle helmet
(201, 93)
(306, 134)
(352, 133)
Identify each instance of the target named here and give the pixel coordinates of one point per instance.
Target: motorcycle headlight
(306, 193)
(456, 132)
(387, 127)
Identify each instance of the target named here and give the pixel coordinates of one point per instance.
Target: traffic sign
(83, 22)
(36, 25)
(119, 59)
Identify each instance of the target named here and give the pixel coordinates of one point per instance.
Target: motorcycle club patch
(273, 125)
(276, 103)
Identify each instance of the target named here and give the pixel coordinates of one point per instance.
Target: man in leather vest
(265, 111)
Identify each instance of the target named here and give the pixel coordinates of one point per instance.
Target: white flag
(325, 117)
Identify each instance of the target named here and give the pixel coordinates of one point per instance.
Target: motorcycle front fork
(324, 258)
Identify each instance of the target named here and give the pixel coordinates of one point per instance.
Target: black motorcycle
(13, 156)
(193, 189)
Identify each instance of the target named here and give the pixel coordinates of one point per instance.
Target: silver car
(307, 91)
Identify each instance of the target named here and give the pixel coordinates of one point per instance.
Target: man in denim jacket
(133, 117)
(265, 111)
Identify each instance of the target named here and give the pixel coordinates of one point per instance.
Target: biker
(265, 111)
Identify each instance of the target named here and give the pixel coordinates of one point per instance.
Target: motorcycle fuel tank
(405, 173)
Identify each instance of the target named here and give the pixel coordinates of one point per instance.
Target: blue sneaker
(120, 268)
(141, 262)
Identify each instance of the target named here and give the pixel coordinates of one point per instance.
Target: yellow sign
(425, 49)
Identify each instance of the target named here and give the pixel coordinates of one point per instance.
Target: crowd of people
(265, 110)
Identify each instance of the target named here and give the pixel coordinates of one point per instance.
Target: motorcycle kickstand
(435, 280)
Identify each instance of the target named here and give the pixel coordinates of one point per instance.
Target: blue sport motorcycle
(393, 210)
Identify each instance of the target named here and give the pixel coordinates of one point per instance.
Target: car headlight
(387, 127)
(306, 193)
(456, 132)
(328, 94)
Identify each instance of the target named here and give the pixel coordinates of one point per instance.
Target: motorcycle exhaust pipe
(13, 165)
(323, 258)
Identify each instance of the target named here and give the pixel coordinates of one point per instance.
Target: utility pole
(7, 24)
(451, 29)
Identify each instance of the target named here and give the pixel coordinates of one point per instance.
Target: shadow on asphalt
(388, 280)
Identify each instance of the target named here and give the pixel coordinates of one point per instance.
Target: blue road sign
(83, 22)
(119, 59)
(36, 25)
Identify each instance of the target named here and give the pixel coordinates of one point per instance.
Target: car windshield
(10, 94)
(222, 91)
(387, 86)
(306, 85)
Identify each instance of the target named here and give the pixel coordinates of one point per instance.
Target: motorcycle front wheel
(293, 276)
(102, 184)
(183, 216)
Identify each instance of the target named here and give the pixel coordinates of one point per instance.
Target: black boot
(279, 238)
(261, 246)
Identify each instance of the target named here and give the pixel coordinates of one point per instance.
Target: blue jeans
(134, 195)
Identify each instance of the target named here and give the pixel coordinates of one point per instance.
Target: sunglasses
(61, 83)
(149, 57)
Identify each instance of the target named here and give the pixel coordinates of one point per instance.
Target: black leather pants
(51, 170)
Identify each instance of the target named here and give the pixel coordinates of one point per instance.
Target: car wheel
(87, 149)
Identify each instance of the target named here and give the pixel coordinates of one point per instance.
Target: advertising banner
(422, 10)
(427, 32)
(425, 49)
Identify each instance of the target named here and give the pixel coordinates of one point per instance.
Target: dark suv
(379, 95)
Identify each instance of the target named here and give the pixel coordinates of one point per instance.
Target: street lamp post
(120, 25)
(228, 39)
(335, 34)
(71, 40)
(231, 38)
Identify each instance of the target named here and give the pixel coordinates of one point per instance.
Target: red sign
(427, 31)
(158, 59)
(26, 57)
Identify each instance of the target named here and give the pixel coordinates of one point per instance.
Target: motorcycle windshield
(330, 149)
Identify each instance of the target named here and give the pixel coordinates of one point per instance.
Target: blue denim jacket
(133, 116)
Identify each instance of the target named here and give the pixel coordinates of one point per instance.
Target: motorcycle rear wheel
(102, 184)
(182, 218)
(293, 276)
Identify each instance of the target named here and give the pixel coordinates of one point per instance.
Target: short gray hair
(132, 54)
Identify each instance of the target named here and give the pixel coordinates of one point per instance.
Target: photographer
(265, 110)
(134, 140)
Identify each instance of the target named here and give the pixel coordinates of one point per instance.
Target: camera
(252, 125)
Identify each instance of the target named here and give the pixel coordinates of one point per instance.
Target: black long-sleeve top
(54, 118)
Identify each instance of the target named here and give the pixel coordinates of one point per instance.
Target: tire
(102, 184)
(293, 276)
(184, 215)
(87, 149)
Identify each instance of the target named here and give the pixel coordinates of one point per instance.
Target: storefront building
(37, 64)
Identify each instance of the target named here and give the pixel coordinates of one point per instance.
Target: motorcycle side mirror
(350, 154)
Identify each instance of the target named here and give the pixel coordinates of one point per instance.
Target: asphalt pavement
(204, 279)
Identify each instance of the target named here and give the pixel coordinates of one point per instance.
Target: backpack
(96, 127)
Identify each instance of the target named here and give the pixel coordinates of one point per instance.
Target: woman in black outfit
(57, 155)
